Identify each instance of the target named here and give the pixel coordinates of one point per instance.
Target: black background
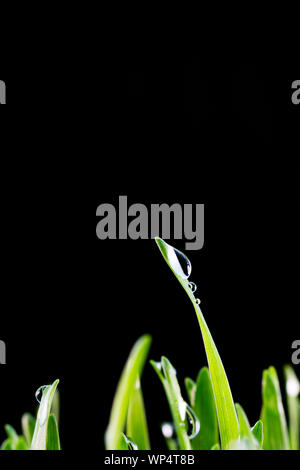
(159, 126)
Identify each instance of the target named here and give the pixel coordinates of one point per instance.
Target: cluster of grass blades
(208, 419)
(40, 433)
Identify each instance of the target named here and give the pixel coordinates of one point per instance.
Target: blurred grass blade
(272, 415)
(137, 427)
(53, 442)
(258, 432)
(13, 442)
(167, 375)
(167, 430)
(6, 445)
(292, 387)
(12, 436)
(21, 444)
(39, 439)
(227, 418)
(246, 435)
(171, 443)
(215, 447)
(132, 370)
(190, 387)
(205, 409)
(28, 425)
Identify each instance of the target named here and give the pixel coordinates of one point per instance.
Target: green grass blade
(215, 447)
(137, 427)
(273, 417)
(190, 387)
(258, 432)
(177, 404)
(247, 439)
(11, 433)
(292, 387)
(171, 443)
(21, 444)
(132, 370)
(205, 410)
(227, 418)
(14, 442)
(53, 442)
(28, 425)
(40, 432)
(7, 444)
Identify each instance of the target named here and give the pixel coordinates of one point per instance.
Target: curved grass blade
(13, 442)
(272, 415)
(132, 370)
(205, 409)
(292, 387)
(53, 442)
(28, 425)
(11, 434)
(258, 432)
(39, 439)
(6, 445)
(137, 427)
(167, 375)
(227, 418)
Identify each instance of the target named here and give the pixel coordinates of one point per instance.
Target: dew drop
(131, 445)
(198, 301)
(193, 287)
(292, 387)
(194, 423)
(39, 393)
(177, 260)
(168, 430)
(158, 365)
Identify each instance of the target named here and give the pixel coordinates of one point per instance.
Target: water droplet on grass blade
(176, 259)
(198, 301)
(131, 445)
(293, 387)
(168, 430)
(39, 393)
(194, 423)
(193, 287)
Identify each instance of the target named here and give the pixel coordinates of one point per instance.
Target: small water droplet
(39, 393)
(198, 301)
(293, 387)
(131, 445)
(158, 365)
(177, 260)
(193, 421)
(193, 287)
(168, 430)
